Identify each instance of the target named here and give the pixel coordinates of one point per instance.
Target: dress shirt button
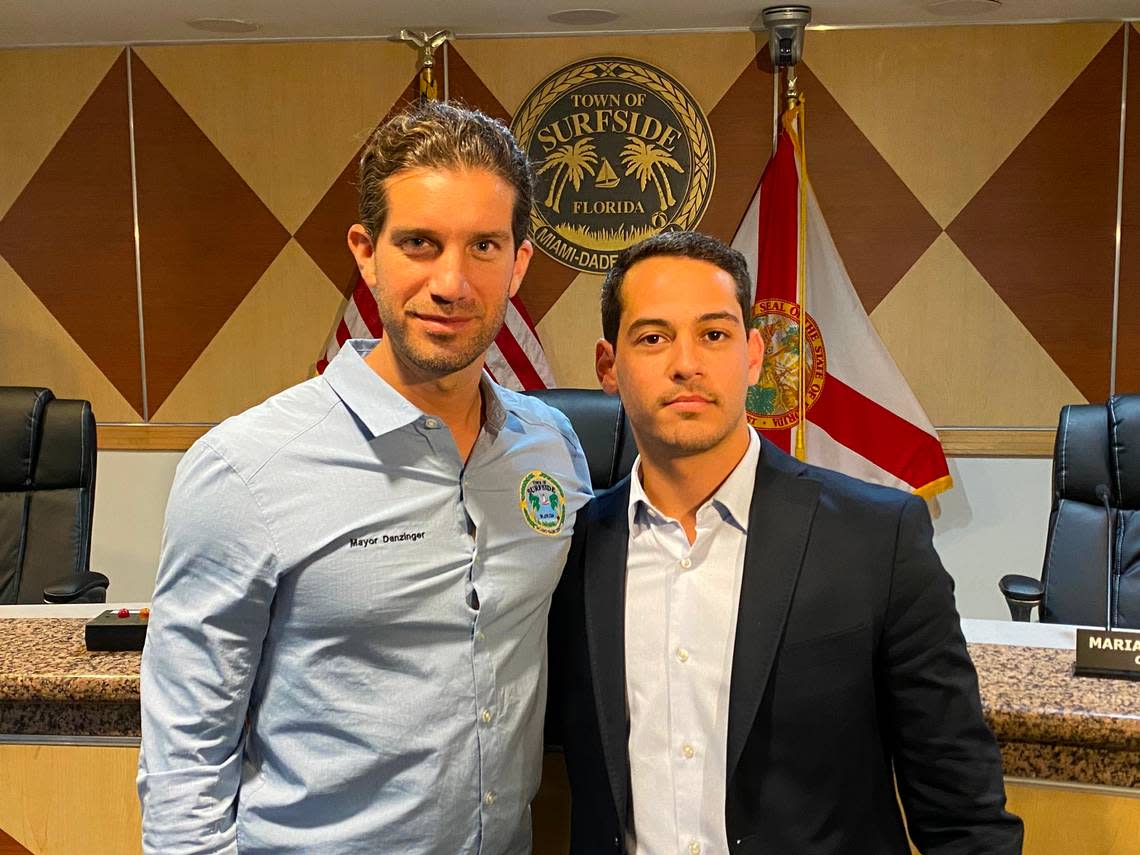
(686, 563)
(487, 715)
(489, 798)
(682, 654)
(695, 847)
(688, 751)
(431, 424)
(479, 636)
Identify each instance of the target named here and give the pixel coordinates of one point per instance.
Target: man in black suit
(748, 652)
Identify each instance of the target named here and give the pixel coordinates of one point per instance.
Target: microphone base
(1114, 654)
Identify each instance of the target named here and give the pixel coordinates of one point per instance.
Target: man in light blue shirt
(346, 652)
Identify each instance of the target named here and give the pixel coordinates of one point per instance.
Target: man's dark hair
(681, 244)
(437, 135)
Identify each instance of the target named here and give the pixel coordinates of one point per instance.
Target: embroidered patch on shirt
(543, 502)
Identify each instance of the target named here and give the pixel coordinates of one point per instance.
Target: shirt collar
(734, 495)
(380, 407)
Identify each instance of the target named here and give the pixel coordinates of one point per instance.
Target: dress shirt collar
(380, 407)
(733, 498)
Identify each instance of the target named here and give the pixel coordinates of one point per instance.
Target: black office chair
(602, 428)
(1097, 451)
(47, 499)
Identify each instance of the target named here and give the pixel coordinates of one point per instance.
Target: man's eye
(485, 246)
(414, 243)
(651, 338)
(716, 335)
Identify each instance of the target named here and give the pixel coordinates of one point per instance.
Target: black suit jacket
(849, 671)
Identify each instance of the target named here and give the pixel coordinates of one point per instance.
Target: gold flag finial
(426, 45)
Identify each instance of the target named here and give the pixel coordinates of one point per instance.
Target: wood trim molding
(957, 442)
(983, 442)
(144, 437)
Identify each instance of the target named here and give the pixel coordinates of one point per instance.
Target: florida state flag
(861, 416)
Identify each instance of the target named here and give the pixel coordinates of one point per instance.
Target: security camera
(785, 26)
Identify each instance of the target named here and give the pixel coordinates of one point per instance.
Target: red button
(124, 613)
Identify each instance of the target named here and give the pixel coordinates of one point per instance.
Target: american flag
(515, 359)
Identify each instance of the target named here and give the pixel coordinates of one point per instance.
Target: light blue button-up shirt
(346, 652)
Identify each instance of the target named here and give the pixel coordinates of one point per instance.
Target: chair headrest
(1124, 451)
(1080, 453)
(600, 423)
(21, 416)
(67, 439)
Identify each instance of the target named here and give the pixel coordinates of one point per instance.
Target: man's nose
(448, 282)
(684, 357)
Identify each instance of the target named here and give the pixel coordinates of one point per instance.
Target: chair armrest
(88, 587)
(1021, 594)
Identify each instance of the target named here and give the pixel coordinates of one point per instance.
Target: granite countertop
(1030, 695)
(45, 659)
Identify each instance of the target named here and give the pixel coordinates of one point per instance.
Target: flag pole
(786, 26)
(795, 122)
(426, 46)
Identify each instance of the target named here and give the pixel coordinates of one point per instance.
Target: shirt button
(487, 715)
(431, 424)
(489, 798)
(682, 654)
(688, 751)
(695, 847)
(686, 563)
(479, 636)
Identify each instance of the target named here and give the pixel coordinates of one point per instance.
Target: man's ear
(755, 356)
(360, 244)
(523, 256)
(604, 366)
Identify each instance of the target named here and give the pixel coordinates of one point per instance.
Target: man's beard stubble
(450, 353)
(686, 437)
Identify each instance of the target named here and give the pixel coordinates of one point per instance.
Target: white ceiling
(46, 22)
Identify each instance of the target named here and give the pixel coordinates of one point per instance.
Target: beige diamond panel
(964, 148)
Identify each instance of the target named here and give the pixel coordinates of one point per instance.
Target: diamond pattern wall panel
(1041, 229)
(41, 91)
(976, 362)
(944, 106)
(206, 237)
(259, 104)
(69, 235)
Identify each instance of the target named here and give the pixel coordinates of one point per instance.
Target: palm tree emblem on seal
(570, 163)
(645, 161)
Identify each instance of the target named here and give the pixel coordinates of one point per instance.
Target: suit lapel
(604, 568)
(779, 524)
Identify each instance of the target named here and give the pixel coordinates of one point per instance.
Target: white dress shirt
(680, 622)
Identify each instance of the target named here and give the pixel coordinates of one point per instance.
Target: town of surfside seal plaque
(622, 152)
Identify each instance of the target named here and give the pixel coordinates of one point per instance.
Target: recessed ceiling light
(224, 25)
(583, 17)
(962, 8)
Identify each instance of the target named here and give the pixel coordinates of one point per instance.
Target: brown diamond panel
(546, 279)
(324, 234)
(1041, 230)
(1128, 334)
(205, 236)
(879, 227)
(742, 133)
(70, 235)
(8, 846)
